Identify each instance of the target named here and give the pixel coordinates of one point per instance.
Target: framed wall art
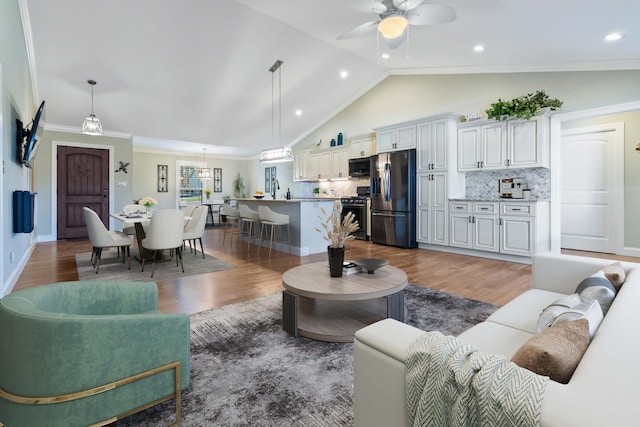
(163, 181)
(217, 180)
(267, 180)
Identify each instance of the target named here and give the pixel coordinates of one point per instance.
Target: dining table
(139, 221)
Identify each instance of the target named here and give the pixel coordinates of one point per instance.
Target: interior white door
(591, 181)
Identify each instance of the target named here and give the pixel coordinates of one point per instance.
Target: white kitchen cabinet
(320, 165)
(433, 141)
(362, 147)
(491, 144)
(432, 207)
(301, 170)
(516, 237)
(474, 225)
(340, 163)
(396, 138)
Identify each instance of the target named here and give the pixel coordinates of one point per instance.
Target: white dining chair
(102, 238)
(194, 229)
(166, 231)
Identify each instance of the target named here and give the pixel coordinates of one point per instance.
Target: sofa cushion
(615, 274)
(495, 338)
(599, 288)
(555, 309)
(555, 352)
(589, 310)
(523, 311)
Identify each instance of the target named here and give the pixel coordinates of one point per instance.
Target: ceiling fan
(396, 15)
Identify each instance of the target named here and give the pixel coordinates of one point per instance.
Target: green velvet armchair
(88, 353)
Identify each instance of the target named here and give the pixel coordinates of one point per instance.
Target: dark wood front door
(83, 180)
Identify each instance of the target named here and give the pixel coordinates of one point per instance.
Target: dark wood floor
(487, 280)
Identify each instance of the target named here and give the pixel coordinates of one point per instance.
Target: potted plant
(207, 193)
(337, 231)
(316, 191)
(523, 107)
(239, 186)
(148, 203)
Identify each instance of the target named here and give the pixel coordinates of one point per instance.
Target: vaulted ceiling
(182, 75)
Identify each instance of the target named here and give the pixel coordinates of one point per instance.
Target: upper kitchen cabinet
(340, 163)
(362, 146)
(490, 144)
(320, 165)
(395, 138)
(436, 143)
(301, 171)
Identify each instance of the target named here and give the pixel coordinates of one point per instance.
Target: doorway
(590, 183)
(82, 180)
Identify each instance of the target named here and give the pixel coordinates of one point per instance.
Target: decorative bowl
(258, 196)
(371, 264)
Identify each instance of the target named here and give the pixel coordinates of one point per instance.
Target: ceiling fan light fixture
(91, 124)
(393, 26)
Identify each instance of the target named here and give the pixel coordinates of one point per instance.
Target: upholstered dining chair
(194, 229)
(269, 218)
(102, 238)
(130, 229)
(166, 231)
(188, 210)
(88, 353)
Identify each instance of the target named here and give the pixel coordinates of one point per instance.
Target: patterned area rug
(112, 268)
(245, 370)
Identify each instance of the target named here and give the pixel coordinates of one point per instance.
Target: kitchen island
(303, 221)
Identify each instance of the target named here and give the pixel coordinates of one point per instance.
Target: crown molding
(76, 130)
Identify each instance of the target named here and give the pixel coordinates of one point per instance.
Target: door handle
(105, 192)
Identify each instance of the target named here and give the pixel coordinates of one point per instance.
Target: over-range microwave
(359, 167)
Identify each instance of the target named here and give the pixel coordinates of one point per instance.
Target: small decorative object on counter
(207, 193)
(333, 142)
(288, 194)
(337, 232)
(316, 191)
(340, 138)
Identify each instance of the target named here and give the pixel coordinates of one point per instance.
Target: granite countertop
(293, 200)
(498, 199)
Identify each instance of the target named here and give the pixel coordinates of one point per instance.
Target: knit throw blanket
(452, 384)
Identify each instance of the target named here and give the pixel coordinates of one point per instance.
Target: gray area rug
(112, 268)
(246, 371)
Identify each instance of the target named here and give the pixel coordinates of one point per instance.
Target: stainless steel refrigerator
(393, 198)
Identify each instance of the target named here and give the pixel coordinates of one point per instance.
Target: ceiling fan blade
(359, 30)
(407, 4)
(394, 43)
(431, 14)
(368, 6)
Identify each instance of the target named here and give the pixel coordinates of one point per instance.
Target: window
(188, 185)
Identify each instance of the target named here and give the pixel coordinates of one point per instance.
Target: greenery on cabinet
(316, 191)
(239, 186)
(523, 107)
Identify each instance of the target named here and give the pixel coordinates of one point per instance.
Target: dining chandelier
(204, 172)
(91, 124)
(276, 154)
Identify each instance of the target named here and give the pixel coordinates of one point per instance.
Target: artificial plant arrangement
(207, 193)
(523, 107)
(148, 202)
(239, 186)
(337, 231)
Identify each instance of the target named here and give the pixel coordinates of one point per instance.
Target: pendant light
(277, 154)
(204, 172)
(91, 124)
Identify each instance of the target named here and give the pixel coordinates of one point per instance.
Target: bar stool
(273, 219)
(233, 216)
(249, 217)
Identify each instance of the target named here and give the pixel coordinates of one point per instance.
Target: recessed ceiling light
(344, 74)
(298, 112)
(385, 56)
(613, 37)
(478, 48)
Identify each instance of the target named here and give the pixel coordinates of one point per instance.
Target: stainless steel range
(360, 205)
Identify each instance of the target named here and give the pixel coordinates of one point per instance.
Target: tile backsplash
(484, 184)
(346, 188)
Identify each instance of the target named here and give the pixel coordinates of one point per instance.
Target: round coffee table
(326, 308)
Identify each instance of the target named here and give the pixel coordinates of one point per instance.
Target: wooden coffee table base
(336, 321)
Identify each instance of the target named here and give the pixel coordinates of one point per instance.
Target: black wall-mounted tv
(26, 139)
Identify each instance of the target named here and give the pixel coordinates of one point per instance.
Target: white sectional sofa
(603, 391)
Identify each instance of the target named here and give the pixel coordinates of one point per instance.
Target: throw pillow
(589, 310)
(616, 275)
(599, 288)
(549, 314)
(556, 352)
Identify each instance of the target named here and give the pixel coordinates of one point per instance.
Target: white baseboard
(627, 251)
(46, 238)
(13, 278)
(480, 254)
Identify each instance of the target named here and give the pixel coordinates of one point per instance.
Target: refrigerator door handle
(387, 182)
(388, 214)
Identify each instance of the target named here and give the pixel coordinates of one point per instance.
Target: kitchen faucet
(274, 185)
